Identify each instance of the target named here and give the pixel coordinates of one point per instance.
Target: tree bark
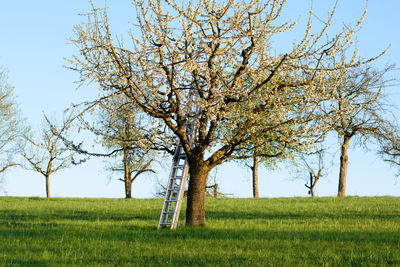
(312, 184)
(128, 186)
(343, 167)
(127, 175)
(47, 186)
(195, 211)
(254, 169)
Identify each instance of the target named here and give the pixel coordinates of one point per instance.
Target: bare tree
(223, 53)
(46, 154)
(311, 163)
(355, 109)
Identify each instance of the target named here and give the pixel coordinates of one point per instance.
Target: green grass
(240, 232)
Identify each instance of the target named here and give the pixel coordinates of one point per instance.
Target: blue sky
(34, 42)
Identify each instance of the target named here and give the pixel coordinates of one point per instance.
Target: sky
(34, 43)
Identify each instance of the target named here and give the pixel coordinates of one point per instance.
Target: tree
(355, 108)
(212, 188)
(10, 124)
(254, 163)
(223, 55)
(135, 162)
(312, 163)
(46, 154)
(121, 129)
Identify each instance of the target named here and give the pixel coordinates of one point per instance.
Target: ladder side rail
(175, 161)
(178, 205)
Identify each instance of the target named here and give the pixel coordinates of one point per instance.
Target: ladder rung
(169, 212)
(174, 188)
(179, 167)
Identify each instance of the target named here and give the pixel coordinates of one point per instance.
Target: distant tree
(224, 53)
(46, 154)
(121, 130)
(213, 189)
(10, 124)
(254, 164)
(355, 109)
(311, 164)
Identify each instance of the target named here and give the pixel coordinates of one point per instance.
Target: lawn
(240, 232)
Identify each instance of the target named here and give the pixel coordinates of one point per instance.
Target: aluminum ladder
(176, 184)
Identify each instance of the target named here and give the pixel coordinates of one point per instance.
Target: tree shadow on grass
(299, 215)
(82, 215)
(84, 231)
(170, 244)
(130, 231)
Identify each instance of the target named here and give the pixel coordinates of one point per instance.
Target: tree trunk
(47, 186)
(254, 169)
(127, 175)
(215, 190)
(195, 212)
(128, 185)
(343, 167)
(312, 184)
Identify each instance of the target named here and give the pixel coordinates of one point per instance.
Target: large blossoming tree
(248, 96)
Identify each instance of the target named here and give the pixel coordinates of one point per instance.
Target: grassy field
(240, 232)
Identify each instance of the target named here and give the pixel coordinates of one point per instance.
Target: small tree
(119, 127)
(355, 109)
(46, 154)
(254, 163)
(312, 164)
